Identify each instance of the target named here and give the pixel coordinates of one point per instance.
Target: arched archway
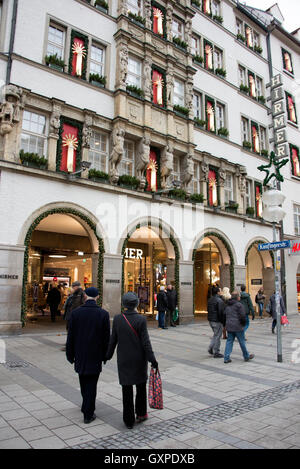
(154, 252)
(78, 219)
(214, 260)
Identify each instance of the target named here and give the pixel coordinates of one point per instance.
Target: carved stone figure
(170, 87)
(169, 20)
(167, 166)
(117, 153)
(87, 131)
(188, 170)
(55, 121)
(123, 65)
(189, 94)
(205, 170)
(10, 109)
(142, 160)
(122, 10)
(188, 33)
(148, 78)
(148, 13)
(222, 176)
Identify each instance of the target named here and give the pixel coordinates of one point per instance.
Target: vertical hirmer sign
(279, 118)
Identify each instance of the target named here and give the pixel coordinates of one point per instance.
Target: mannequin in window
(209, 61)
(249, 37)
(287, 62)
(256, 144)
(292, 112)
(252, 86)
(210, 117)
(295, 159)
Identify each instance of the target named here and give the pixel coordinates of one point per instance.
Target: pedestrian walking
(74, 300)
(130, 334)
(53, 300)
(225, 295)
(273, 310)
(162, 305)
(215, 309)
(87, 344)
(260, 300)
(246, 301)
(235, 321)
(172, 305)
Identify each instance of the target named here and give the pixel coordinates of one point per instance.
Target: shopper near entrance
(172, 305)
(134, 351)
(246, 301)
(162, 306)
(53, 300)
(235, 321)
(260, 301)
(273, 310)
(215, 316)
(225, 294)
(87, 344)
(74, 300)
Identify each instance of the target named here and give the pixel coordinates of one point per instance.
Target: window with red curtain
(295, 161)
(255, 138)
(151, 173)
(258, 200)
(291, 110)
(158, 21)
(206, 7)
(210, 116)
(212, 188)
(79, 54)
(69, 145)
(157, 88)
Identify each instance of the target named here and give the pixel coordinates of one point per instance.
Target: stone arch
(266, 256)
(91, 226)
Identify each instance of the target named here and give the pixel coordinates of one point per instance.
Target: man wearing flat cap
(87, 344)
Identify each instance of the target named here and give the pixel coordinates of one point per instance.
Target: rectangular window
(177, 29)
(97, 60)
(178, 93)
(197, 105)
(212, 188)
(135, 6)
(98, 153)
(158, 88)
(220, 116)
(228, 188)
(196, 179)
(245, 130)
(33, 137)
(242, 75)
(239, 27)
(216, 8)
(291, 108)
(134, 72)
(56, 41)
(297, 219)
(256, 39)
(287, 62)
(176, 168)
(127, 162)
(259, 86)
(295, 160)
(248, 194)
(218, 58)
(263, 138)
(196, 49)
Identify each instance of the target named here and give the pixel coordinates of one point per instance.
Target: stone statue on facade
(222, 176)
(142, 160)
(55, 121)
(148, 78)
(189, 94)
(188, 34)
(205, 170)
(117, 153)
(123, 54)
(122, 10)
(169, 21)
(10, 110)
(167, 166)
(188, 171)
(170, 87)
(148, 13)
(87, 131)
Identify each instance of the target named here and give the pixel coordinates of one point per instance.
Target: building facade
(130, 136)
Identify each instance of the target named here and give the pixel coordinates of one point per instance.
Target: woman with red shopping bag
(272, 307)
(130, 334)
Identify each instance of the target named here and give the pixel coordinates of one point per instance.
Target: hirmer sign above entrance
(131, 253)
(279, 118)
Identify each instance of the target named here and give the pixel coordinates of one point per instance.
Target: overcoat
(133, 353)
(273, 306)
(88, 338)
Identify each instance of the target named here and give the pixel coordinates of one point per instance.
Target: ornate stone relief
(123, 66)
(10, 113)
(142, 160)
(55, 121)
(167, 166)
(87, 131)
(117, 153)
(148, 78)
(188, 170)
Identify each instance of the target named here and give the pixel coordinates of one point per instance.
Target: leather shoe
(210, 351)
(227, 361)
(218, 355)
(91, 419)
(249, 358)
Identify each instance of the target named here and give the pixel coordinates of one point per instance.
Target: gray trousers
(215, 343)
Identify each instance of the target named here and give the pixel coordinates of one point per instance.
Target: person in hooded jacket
(273, 310)
(130, 335)
(246, 301)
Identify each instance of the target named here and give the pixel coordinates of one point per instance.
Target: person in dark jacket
(130, 334)
(74, 300)
(162, 305)
(215, 309)
(87, 344)
(235, 321)
(53, 300)
(172, 304)
(273, 310)
(260, 301)
(246, 301)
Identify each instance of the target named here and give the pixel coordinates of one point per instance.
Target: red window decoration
(208, 57)
(258, 201)
(291, 110)
(249, 36)
(69, 147)
(157, 88)
(79, 52)
(158, 20)
(287, 62)
(295, 162)
(252, 86)
(206, 7)
(255, 139)
(210, 113)
(151, 174)
(212, 188)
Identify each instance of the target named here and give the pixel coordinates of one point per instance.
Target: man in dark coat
(248, 305)
(87, 343)
(134, 351)
(172, 304)
(162, 305)
(53, 300)
(215, 309)
(235, 321)
(273, 310)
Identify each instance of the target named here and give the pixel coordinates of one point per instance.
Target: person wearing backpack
(246, 301)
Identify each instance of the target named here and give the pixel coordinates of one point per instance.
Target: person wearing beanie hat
(74, 300)
(134, 351)
(87, 343)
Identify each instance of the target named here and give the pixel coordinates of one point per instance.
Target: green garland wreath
(79, 126)
(85, 39)
(255, 243)
(176, 250)
(26, 253)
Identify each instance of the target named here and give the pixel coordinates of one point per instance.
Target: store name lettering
(9, 277)
(131, 253)
(279, 120)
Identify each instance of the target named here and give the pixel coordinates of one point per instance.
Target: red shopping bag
(155, 390)
(284, 320)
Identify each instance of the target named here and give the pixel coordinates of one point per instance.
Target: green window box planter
(101, 8)
(31, 164)
(231, 209)
(101, 180)
(97, 83)
(56, 67)
(197, 199)
(247, 146)
(250, 212)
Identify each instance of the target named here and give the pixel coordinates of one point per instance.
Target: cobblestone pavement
(207, 404)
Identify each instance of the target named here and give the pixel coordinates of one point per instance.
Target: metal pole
(277, 298)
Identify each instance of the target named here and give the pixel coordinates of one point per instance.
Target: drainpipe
(12, 41)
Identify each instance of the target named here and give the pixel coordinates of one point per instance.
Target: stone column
(186, 309)
(239, 276)
(225, 276)
(204, 180)
(170, 272)
(112, 283)
(268, 283)
(11, 282)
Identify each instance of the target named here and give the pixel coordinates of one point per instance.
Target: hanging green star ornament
(272, 169)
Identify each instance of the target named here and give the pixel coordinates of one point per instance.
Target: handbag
(130, 325)
(284, 320)
(155, 395)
